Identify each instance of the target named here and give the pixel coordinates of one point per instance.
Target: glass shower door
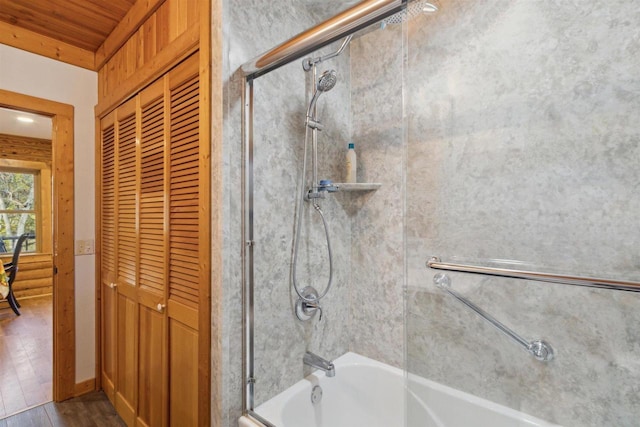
(523, 148)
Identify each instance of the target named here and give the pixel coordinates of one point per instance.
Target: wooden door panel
(151, 299)
(107, 255)
(127, 236)
(108, 219)
(152, 262)
(183, 314)
(127, 358)
(152, 373)
(184, 242)
(108, 340)
(184, 184)
(159, 259)
(188, 220)
(130, 292)
(183, 381)
(152, 190)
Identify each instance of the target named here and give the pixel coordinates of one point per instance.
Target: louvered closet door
(155, 254)
(108, 259)
(185, 248)
(126, 264)
(152, 361)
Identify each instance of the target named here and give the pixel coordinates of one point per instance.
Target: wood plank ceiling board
(81, 23)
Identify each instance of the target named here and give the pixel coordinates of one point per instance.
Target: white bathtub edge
(245, 421)
(410, 382)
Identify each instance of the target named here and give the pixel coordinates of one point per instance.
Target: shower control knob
(306, 308)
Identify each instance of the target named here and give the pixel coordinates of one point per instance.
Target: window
(19, 194)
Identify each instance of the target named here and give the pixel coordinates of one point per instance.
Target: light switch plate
(85, 247)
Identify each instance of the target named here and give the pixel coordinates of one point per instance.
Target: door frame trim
(62, 211)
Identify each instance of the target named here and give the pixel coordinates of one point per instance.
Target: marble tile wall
(248, 30)
(377, 252)
(523, 145)
(280, 108)
(281, 340)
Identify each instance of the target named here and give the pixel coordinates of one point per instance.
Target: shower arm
(308, 63)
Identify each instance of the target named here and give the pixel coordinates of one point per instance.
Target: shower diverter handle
(310, 307)
(306, 308)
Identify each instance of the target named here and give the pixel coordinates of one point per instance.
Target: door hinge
(55, 270)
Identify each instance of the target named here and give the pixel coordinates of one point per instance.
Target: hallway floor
(26, 356)
(89, 410)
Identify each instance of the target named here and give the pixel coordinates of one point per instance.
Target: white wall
(35, 75)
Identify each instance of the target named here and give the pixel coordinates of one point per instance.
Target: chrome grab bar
(617, 285)
(539, 349)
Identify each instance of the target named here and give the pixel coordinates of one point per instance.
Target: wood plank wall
(24, 148)
(35, 275)
(171, 32)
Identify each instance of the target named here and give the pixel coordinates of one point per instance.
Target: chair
(11, 269)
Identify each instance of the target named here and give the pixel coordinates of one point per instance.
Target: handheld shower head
(325, 83)
(413, 9)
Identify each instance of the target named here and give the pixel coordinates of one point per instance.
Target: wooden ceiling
(81, 23)
(85, 33)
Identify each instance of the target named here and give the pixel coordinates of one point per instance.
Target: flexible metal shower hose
(296, 236)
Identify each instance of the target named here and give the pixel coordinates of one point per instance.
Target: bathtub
(367, 393)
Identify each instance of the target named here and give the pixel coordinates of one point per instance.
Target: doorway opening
(61, 230)
(26, 242)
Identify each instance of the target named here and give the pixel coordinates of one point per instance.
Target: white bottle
(351, 164)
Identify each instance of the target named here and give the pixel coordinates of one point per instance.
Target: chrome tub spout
(318, 362)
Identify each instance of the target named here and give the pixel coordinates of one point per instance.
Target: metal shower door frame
(343, 24)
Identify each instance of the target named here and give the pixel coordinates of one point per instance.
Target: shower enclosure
(501, 138)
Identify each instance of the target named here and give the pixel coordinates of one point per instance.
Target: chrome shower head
(325, 83)
(413, 9)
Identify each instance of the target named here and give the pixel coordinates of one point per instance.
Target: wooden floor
(26, 355)
(26, 370)
(90, 410)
